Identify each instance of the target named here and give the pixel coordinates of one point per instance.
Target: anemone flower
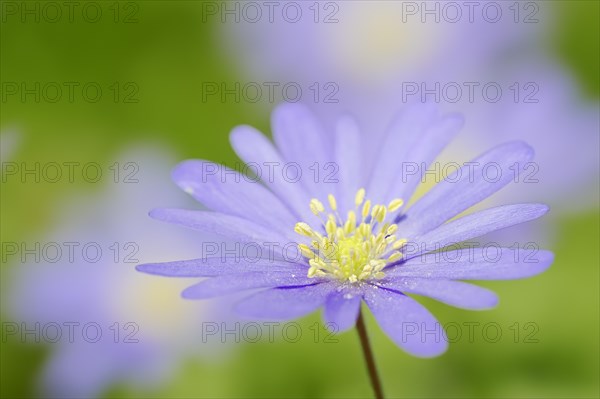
(355, 244)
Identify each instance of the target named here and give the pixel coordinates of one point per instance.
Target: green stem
(369, 359)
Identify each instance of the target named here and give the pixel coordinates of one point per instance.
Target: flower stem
(369, 359)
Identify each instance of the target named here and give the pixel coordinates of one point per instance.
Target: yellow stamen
(332, 202)
(392, 229)
(306, 251)
(303, 229)
(360, 197)
(399, 244)
(366, 209)
(395, 205)
(316, 206)
(351, 252)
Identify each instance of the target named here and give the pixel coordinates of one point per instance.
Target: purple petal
(230, 227)
(285, 303)
(466, 187)
(229, 284)
(348, 158)
(422, 153)
(217, 266)
(455, 293)
(406, 322)
(225, 190)
(474, 225)
(341, 310)
(493, 263)
(254, 148)
(401, 135)
(301, 139)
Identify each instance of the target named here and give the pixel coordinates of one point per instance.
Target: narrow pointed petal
(284, 303)
(230, 227)
(256, 149)
(476, 264)
(454, 293)
(474, 225)
(422, 152)
(229, 284)
(406, 322)
(224, 190)
(341, 310)
(218, 266)
(467, 187)
(348, 159)
(302, 140)
(400, 137)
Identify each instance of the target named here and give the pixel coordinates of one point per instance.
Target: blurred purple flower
(378, 52)
(371, 254)
(365, 46)
(551, 116)
(144, 332)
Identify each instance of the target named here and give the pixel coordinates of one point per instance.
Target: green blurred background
(168, 55)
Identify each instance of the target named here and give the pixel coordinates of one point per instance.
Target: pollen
(352, 250)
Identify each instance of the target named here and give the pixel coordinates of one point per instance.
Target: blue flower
(356, 240)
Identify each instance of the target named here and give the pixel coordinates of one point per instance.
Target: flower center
(350, 250)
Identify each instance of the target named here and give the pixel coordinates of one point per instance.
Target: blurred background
(100, 99)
